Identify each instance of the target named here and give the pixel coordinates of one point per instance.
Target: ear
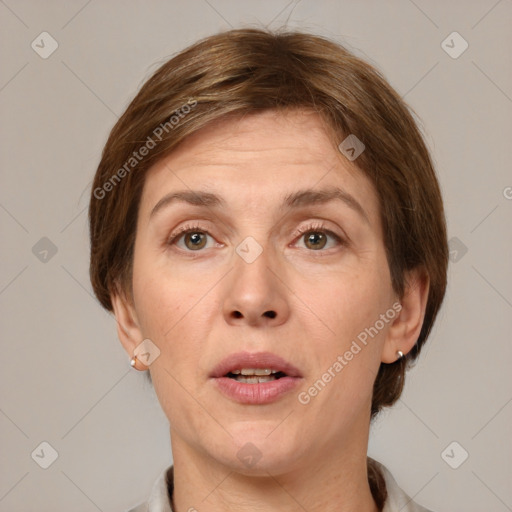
(128, 328)
(406, 327)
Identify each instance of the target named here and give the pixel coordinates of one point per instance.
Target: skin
(198, 306)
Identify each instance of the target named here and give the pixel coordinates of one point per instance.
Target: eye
(316, 237)
(194, 238)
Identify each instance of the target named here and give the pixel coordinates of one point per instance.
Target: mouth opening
(240, 377)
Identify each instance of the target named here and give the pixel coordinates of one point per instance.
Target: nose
(256, 293)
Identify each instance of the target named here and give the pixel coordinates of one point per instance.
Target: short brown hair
(244, 71)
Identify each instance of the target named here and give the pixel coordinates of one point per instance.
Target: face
(267, 265)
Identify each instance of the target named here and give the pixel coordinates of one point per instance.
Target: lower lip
(255, 394)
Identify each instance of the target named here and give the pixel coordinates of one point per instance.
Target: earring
(400, 354)
(133, 364)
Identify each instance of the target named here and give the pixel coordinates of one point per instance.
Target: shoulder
(397, 500)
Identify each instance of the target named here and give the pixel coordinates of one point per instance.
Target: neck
(334, 480)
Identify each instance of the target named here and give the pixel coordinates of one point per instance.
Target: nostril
(269, 314)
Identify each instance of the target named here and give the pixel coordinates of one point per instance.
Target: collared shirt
(160, 497)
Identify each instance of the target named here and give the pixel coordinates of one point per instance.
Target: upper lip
(256, 360)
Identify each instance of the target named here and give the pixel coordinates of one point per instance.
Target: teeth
(254, 379)
(254, 371)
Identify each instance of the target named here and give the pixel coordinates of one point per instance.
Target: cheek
(347, 302)
(346, 366)
(175, 312)
(348, 308)
(163, 294)
(158, 305)
(174, 317)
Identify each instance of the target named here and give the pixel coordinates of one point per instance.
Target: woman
(268, 230)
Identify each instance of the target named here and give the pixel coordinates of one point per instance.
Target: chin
(261, 451)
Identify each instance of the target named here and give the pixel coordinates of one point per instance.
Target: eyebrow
(294, 200)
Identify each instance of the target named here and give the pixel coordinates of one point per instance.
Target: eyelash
(312, 227)
(318, 227)
(184, 230)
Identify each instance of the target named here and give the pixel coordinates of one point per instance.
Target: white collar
(397, 500)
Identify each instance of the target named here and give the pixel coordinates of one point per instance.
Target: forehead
(269, 154)
(265, 135)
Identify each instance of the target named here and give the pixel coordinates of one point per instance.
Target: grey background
(65, 378)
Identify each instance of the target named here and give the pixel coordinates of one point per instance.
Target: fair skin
(200, 305)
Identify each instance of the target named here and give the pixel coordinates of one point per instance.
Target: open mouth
(255, 379)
